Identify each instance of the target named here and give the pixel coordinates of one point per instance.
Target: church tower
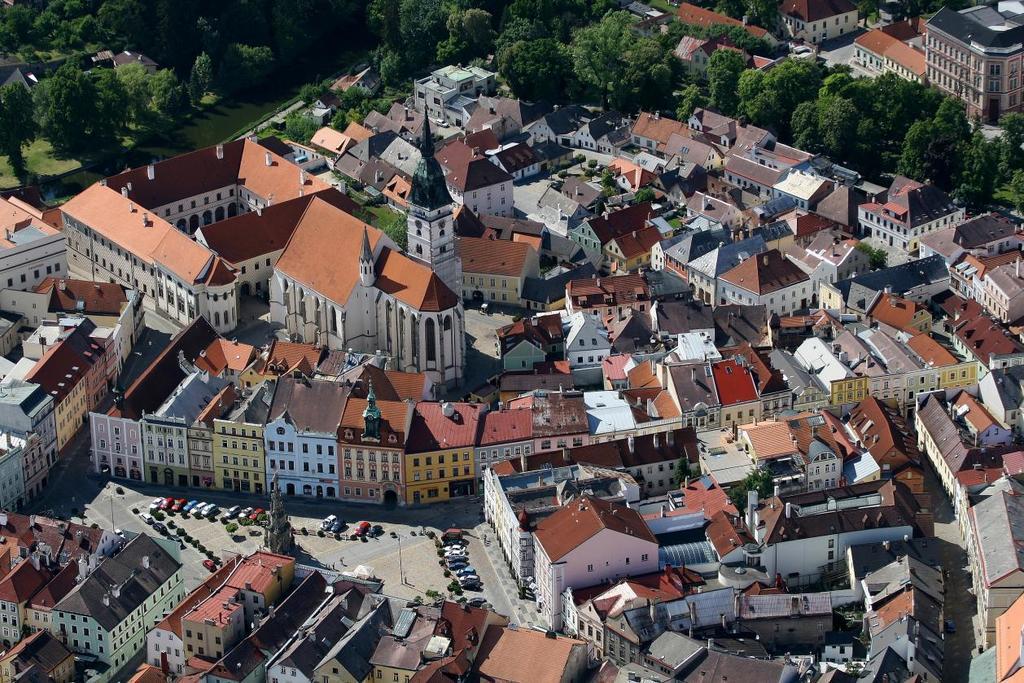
(277, 536)
(430, 224)
(366, 274)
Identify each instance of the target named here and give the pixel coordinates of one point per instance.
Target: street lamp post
(401, 567)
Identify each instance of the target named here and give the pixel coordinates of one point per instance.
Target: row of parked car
(331, 524)
(456, 558)
(201, 509)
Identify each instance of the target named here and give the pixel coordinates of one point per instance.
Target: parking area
(403, 556)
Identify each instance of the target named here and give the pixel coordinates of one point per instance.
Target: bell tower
(430, 225)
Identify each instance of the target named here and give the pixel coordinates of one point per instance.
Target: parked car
(255, 514)
(160, 527)
(179, 505)
(376, 530)
(470, 584)
(211, 510)
(233, 511)
(362, 528)
(950, 626)
(327, 522)
(468, 570)
(147, 518)
(190, 505)
(337, 526)
(210, 565)
(166, 505)
(244, 513)
(478, 601)
(455, 556)
(455, 565)
(156, 504)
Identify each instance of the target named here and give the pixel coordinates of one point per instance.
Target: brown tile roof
(56, 588)
(493, 257)
(972, 411)
(157, 381)
(244, 163)
(257, 234)
(884, 433)
(209, 586)
(639, 242)
(501, 656)
(147, 673)
(595, 291)
(83, 296)
(334, 273)
(816, 10)
(311, 405)
(38, 650)
(144, 234)
(895, 311)
(394, 416)
(503, 426)
(67, 363)
(432, 430)
(621, 222)
(223, 355)
(983, 336)
(331, 140)
(765, 273)
(468, 171)
(657, 127)
(23, 582)
(284, 358)
(698, 16)
(575, 523)
(1010, 644)
(931, 352)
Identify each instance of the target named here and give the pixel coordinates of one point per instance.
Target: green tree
(763, 13)
(1011, 145)
(979, 174)
(135, 80)
(1016, 190)
(65, 106)
(299, 127)
(690, 98)
(804, 124)
(647, 79)
(17, 125)
(244, 66)
(200, 78)
(124, 20)
(111, 117)
(732, 8)
(837, 123)
(877, 258)
(760, 480)
(932, 150)
(597, 52)
(537, 70)
(470, 35)
(723, 73)
(770, 98)
(422, 25)
(170, 99)
(382, 17)
(644, 194)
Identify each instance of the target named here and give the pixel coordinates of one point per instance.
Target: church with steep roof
(343, 284)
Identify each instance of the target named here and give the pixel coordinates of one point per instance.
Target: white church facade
(343, 284)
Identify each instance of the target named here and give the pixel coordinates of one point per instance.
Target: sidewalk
(523, 612)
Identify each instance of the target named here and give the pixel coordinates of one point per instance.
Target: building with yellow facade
(239, 459)
(439, 452)
(495, 271)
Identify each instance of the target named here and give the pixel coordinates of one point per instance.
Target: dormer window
(348, 433)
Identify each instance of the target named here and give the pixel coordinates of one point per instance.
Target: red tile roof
(432, 430)
(223, 355)
(83, 296)
(698, 16)
(578, 521)
(172, 622)
(734, 382)
(504, 258)
(504, 426)
(23, 582)
(816, 10)
(765, 273)
(284, 358)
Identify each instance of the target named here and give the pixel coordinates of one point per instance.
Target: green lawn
(40, 160)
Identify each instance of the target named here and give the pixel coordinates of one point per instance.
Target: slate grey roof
(354, 649)
(902, 278)
(728, 256)
(547, 290)
(311, 405)
(671, 649)
(694, 245)
(999, 526)
(982, 24)
(125, 574)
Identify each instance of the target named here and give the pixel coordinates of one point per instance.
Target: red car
(211, 565)
(362, 528)
(168, 502)
(256, 514)
(178, 504)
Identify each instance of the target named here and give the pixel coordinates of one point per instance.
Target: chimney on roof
(145, 219)
(151, 172)
(1017, 267)
(765, 259)
(124, 190)
(145, 561)
(789, 510)
(269, 159)
(302, 176)
(220, 151)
